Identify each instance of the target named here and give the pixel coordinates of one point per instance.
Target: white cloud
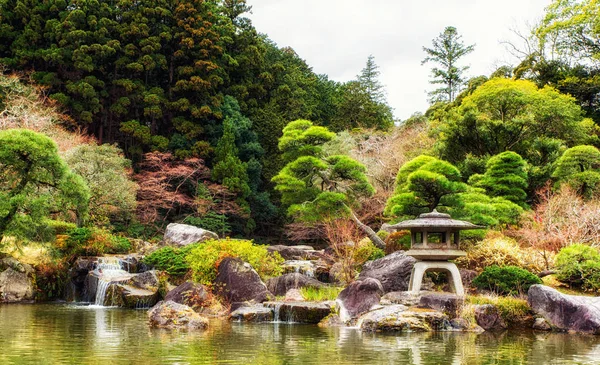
(335, 37)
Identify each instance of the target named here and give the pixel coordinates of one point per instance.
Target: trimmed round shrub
(507, 280)
(579, 266)
(204, 259)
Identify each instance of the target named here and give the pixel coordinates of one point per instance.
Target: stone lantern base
(421, 267)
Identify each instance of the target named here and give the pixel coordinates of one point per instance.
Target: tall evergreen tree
(448, 48)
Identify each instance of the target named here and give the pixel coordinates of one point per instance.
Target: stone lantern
(435, 240)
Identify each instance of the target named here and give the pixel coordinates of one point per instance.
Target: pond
(71, 334)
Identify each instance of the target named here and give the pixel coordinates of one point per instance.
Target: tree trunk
(378, 242)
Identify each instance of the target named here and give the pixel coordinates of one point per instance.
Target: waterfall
(305, 267)
(101, 292)
(109, 270)
(344, 315)
(276, 311)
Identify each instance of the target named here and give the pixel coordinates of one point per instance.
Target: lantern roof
(434, 220)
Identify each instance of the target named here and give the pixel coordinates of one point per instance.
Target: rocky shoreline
(376, 302)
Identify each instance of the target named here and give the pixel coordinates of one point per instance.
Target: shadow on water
(68, 334)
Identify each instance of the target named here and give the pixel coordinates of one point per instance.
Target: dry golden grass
(28, 107)
(497, 249)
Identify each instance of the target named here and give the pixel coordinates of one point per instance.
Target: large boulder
(392, 271)
(566, 312)
(15, 286)
(281, 284)
(191, 294)
(299, 312)
(406, 298)
(489, 318)
(254, 313)
(182, 234)
(443, 302)
(237, 281)
(359, 297)
(399, 318)
(168, 314)
(134, 291)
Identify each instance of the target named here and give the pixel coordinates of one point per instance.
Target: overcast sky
(335, 37)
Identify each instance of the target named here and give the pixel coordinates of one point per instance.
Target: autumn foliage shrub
(91, 242)
(561, 218)
(507, 280)
(350, 249)
(204, 259)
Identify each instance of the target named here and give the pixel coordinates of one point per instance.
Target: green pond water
(58, 334)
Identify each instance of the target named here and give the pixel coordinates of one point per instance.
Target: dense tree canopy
(107, 174)
(35, 183)
(512, 115)
(426, 183)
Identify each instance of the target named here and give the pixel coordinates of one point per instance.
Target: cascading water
(305, 267)
(109, 270)
(276, 311)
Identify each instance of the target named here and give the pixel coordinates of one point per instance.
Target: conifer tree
(448, 48)
(505, 176)
(579, 167)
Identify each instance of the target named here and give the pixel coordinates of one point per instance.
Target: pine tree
(447, 50)
(505, 176)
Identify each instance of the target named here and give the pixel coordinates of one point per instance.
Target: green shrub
(170, 259)
(506, 280)
(60, 227)
(205, 258)
(92, 242)
(367, 251)
(579, 266)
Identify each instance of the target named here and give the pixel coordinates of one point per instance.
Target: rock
(400, 297)
(299, 312)
(295, 252)
(281, 284)
(147, 280)
(183, 234)
(359, 297)
(237, 281)
(293, 295)
(460, 324)
(15, 286)
(254, 313)
(489, 318)
(398, 318)
(392, 271)
(168, 314)
(541, 324)
(332, 320)
(443, 302)
(10, 262)
(191, 294)
(566, 312)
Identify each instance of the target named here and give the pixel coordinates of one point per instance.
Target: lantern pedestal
(421, 267)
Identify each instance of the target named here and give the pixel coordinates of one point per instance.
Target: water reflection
(49, 334)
